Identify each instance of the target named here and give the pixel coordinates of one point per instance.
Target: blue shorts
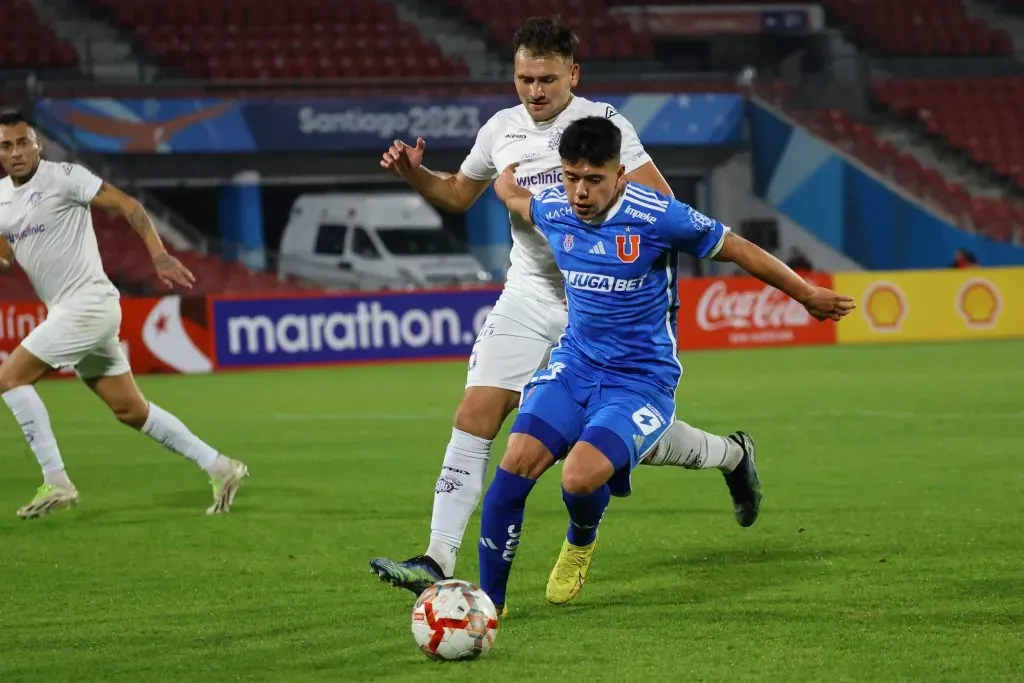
(569, 401)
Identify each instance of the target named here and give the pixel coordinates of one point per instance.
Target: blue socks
(501, 523)
(585, 514)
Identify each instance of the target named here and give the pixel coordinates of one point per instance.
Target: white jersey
(511, 136)
(49, 225)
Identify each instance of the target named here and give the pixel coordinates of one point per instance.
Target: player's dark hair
(593, 139)
(541, 36)
(13, 118)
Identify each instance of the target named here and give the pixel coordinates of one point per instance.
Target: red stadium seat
(279, 41)
(978, 116)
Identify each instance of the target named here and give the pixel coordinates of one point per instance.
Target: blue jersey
(618, 277)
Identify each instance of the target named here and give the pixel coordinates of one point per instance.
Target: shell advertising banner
(933, 305)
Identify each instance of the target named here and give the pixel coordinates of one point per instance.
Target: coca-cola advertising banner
(743, 312)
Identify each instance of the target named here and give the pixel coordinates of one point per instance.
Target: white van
(372, 241)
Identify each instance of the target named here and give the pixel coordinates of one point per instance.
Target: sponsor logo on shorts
(648, 419)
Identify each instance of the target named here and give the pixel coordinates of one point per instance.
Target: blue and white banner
(347, 328)
(217, 126)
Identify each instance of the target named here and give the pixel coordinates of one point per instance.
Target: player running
(529, 317)
(46, 225)
(608, 394)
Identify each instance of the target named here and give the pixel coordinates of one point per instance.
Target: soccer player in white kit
(46, 225)
(530, 315)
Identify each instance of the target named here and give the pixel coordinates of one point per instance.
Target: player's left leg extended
(734, 455)
(549, 420)
(585, 491)
(108, 374)
(622, 425)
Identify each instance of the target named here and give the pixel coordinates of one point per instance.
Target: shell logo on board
(979, 303)
(885, 307)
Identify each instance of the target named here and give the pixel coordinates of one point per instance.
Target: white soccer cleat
(226, 486)
(49, 498)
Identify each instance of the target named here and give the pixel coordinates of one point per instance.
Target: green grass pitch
(890, 545)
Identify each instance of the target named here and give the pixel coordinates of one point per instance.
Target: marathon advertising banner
(218, 126)
(347, 328)
(738, 19)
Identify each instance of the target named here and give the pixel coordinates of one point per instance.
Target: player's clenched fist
(401, 158)
(505, 185)
(824, 304)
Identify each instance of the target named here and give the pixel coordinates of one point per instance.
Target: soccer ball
(453, 620)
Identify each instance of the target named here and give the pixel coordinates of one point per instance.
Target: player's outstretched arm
(450, 191)
(822, 303)
(518, 199)
(169, 269)
(6, 255)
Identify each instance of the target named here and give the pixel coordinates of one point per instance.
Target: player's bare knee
(483, 410)
(585, 470)
(526, 456)
(579, 482)
(132, 413)
(9, 381)
(20, 369)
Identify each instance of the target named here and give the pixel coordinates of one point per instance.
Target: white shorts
(515, 341)
(81, 332)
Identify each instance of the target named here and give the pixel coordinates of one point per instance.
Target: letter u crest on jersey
(568, 242)
(627, 247)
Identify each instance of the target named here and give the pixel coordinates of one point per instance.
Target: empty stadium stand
(979, 116)
(30, 43)
(996, 217)
(591, 20)
(222, 39)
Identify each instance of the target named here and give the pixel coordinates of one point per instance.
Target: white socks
(456, 494)
(695, 449)
(31, 414)
(175, 436)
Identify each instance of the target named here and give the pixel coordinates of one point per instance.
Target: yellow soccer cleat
(570, 572)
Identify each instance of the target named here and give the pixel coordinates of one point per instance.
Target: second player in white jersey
(513, 136)
(46, 227)
(48, 223)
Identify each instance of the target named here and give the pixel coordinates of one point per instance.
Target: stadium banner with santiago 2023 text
(743, 312)
(222, 126)
(933, 305)
(356, 327)
(159, 334)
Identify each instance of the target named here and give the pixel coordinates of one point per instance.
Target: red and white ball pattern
(454, 619)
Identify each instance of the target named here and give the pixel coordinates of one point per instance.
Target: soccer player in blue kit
(608, 393)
